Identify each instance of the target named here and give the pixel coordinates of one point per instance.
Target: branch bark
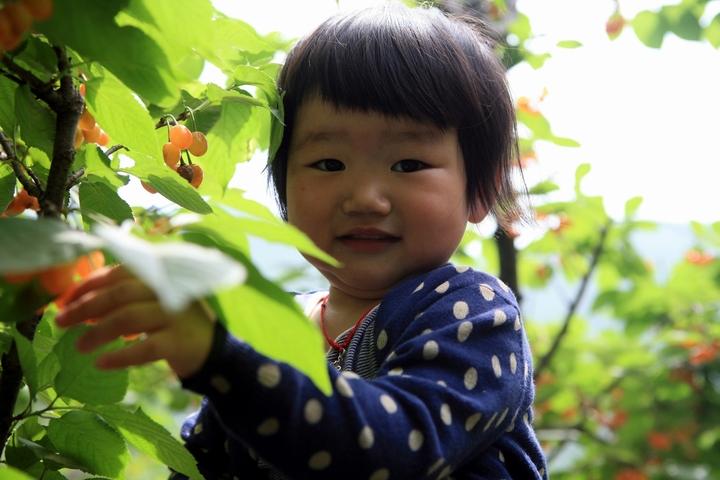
(11, 379)
(545, 360)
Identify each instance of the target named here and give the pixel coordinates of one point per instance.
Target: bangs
(385, 62)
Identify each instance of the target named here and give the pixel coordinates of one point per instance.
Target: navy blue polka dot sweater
(437, 383)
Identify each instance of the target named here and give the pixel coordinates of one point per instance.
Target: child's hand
(123, 305)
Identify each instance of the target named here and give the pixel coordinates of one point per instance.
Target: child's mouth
(368, 242)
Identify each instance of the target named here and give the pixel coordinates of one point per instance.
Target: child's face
(384, 196)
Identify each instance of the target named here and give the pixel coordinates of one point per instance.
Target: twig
(545, 360)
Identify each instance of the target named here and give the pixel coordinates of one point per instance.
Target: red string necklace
(339, 346)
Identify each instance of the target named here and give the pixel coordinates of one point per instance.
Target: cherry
(40, 9)
(87, 121)
(56, 280)
(199, 144)
(186, 172)
(92, 135)
(197, 175)
(180, 136)
(171, 154)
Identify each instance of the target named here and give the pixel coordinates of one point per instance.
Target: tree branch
(508, 261)
(11, 379)
(67, 104)
(545, 360)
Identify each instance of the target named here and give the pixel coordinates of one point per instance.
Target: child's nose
(366, 196)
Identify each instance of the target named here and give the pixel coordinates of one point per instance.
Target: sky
(648, 120)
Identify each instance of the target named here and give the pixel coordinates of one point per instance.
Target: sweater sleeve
(454, 379)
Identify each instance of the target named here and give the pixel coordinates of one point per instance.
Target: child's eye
(408, 166)
(329, 165)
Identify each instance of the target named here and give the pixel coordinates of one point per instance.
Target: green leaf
(47, 370)
(564, 141)
(269, 319)
(178, 272)
(28, 361)
(32, 245)
(37, 123)
(7, 106)
(7, 185)
(96, 197)
(50, 456)
(85, 436)
(80, 380)
(89, 28)
(682, 21)
(167, 183)
(580, 172)
(650, 28)
(632, 205)
(119, 113)
(10, 473)
(569, 44)
(98, 164)
(233, 40)
(228, 226)
(546, 186)
(150, 438)
(217, 94)
(711, 32)
(191, 17)
(231, 141)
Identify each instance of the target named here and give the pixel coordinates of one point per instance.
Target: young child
(399, 130)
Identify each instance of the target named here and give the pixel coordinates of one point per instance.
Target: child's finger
(132, 319)
(139, 353)
(99, 302)
(100, 278)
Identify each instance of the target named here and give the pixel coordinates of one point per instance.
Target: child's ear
(478, 213)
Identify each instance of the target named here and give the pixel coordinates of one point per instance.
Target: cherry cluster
(17, 18)
(181, 139)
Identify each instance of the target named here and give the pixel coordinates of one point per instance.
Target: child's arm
(123, 305)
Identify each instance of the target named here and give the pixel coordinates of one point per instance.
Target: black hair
(417, 63)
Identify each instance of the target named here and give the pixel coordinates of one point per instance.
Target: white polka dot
(269, 427)
(415, 440)
(445, 414)
(518, 326)
(388, 403)
(500, 318)
(391, 356)
(501, 457)
(461, 268)
(220, 383)
(419, 315)
(541, 472)
(472, 421)
(502, 417)
(269, 375)
(396, 371)
(464, 330)
(442, 382)
(443, 287)
(526, 419)
(198, 428)
(366, 438)
(313, 411)
(320, 460)
(471, 378)
(436, 465)
(487, 292)
(446, 471)
(497, 369)
(382, 474)
(460, 310)
(252, 453)
(490, 422)
(426, 331)
(227, 446)
(431, 350)
(503, 285)
(525, 373)
(513, 363)
(419, 287)
(343, 387)
(382, 340)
